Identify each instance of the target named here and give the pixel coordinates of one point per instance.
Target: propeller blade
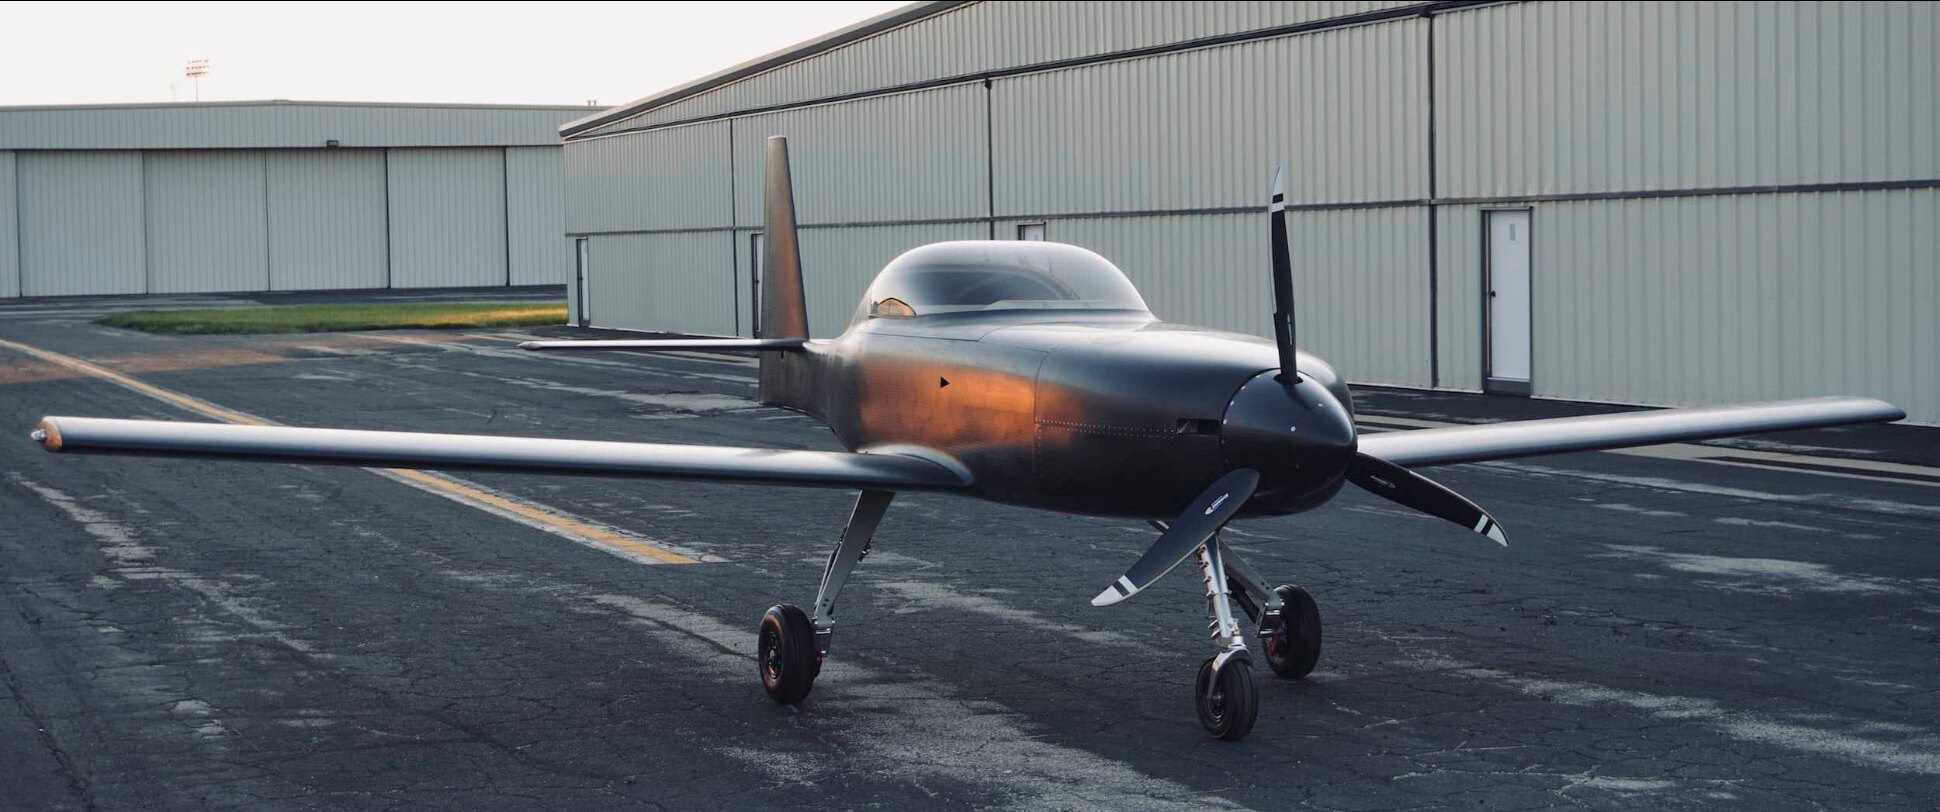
(1282, 265)
(1402, 486)
(1209, 511)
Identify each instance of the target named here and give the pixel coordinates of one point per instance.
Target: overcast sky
(506, 53)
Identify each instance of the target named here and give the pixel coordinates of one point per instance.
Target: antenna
(1283, 334)
(196, 69)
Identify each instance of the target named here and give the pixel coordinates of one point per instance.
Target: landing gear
(787, 654)
(1293, 642)
(792, 643)
(1288, 618)
(1226, 697)
(1227, 700)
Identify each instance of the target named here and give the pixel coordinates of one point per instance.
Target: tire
(1227, 710)
(786, 653)
(1293, 648)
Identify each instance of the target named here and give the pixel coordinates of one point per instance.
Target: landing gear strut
(792, 644)
(1224, 693)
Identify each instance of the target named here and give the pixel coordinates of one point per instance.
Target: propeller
(1322, 444)
(1405, 487)
(1208, 512)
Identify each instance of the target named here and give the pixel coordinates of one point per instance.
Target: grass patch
(331, 318)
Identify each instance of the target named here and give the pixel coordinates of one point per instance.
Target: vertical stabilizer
(784, 307)
(786, 377)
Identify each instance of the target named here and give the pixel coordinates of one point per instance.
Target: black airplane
(1028, 373)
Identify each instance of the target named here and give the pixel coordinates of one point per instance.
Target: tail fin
(786, 377)
(784, 307)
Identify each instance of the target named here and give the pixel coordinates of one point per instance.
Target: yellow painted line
(526, 513)
(601, 535)
(202, 407)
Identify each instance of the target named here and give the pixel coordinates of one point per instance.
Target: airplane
(1025, 373)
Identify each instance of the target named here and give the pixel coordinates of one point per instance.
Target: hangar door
(80, 223)
(206, 230)
(447, 218)
(326, 219)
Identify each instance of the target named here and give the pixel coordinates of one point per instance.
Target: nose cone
(1300, 437)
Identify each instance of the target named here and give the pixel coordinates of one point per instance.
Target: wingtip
(532, 345)
(1280, 180)
(47, 434)
(1107, 597)
(1495, 534)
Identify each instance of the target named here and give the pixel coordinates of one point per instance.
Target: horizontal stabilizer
(1523, 438)
(690, 344)
(474, 452)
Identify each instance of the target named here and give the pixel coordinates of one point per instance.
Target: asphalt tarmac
(1743, 625)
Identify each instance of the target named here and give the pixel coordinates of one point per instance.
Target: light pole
(197, 69)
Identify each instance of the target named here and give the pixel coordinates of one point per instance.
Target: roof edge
(23, 108)
(793, 53)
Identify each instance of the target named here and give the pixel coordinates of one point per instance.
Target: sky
(472, 53)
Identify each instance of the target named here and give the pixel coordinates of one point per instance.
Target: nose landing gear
(1224, 694)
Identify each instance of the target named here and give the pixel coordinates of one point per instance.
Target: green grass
(330, 318)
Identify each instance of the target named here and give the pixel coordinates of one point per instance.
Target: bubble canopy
(978, 275)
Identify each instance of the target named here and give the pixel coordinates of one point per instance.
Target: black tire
(1293, 647)
(786, 654)
(1227, 710)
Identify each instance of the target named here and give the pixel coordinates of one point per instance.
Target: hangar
(278, 196)
(1648, 203)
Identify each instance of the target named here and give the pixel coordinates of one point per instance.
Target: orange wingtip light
(48, 434)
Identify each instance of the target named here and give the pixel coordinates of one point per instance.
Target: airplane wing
(670, 344)
(1523, 438)
(472, 452)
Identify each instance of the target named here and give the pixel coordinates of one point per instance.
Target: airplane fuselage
(1099, 412)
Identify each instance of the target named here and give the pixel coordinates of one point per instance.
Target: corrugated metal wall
(1204, 128)
(535, 199)
(9, 229)
(81, 223)
(1458, 294)
(666, 179)
(1737, 201)
(1543, 98)
(995, 35)
(119, 222)
(1360, 276)
(680, 282)
(207, 229)
(447, 217)
(327, 224)
(1707, 299)
(913, 156)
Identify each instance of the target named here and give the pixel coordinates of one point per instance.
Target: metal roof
(799, 51)
(279, 123)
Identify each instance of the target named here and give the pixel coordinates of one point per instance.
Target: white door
(585, 298)
(1030, 231)
(1509, 296)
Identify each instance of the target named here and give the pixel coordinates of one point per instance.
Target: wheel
(786, 654)
(1293, 647)
(1227, 709)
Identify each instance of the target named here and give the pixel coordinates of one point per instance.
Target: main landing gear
(1289, 628)
(792, 644)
